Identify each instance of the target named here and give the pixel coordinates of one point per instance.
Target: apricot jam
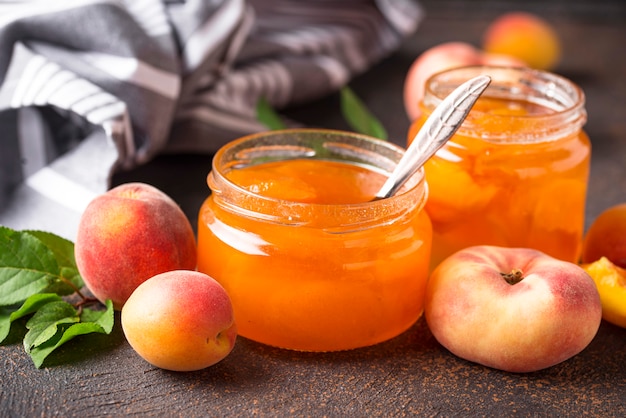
(309, 261)
(515, 174)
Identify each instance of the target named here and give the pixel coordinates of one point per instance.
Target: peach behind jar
(515, 174)
(315, 276)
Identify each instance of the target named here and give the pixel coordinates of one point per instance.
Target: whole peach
(129, 234)
(513, 309)
(180, 320)
(606, 237)
(443, 57)
(501, 60)
(525, 36)
(435, 59)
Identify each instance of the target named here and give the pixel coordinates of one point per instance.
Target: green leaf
(30, 306)
(35, 262)
(38, 354)
(268, 116)
(70, 281)
(359, 117)
(27, 266)
(37, 268)
(106, 318)
(101, 322)
(5, 323)
(45, 322)
(63, 250)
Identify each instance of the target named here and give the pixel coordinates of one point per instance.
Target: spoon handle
(438, 128)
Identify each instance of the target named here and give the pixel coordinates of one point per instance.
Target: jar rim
(312, 143)
(564, 98)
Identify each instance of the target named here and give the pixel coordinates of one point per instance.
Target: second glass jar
(515, 174)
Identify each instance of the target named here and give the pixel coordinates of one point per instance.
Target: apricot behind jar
(606, 237)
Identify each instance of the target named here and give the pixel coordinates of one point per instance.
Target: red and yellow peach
(513, 309)
(443, 57)
(129, 234)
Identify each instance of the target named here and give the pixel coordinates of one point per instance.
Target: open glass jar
(515, 173)
(309, 261)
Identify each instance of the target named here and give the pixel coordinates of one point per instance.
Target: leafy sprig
(266, 114)
(38, 274)
(358, 116)
(353, 110)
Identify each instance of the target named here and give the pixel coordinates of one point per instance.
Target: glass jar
(314, 273)
(515, 173)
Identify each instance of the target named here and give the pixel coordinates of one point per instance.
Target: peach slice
(611, 283)
(453, 192)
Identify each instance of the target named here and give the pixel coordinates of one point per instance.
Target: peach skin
(129, 234)
(180, 320)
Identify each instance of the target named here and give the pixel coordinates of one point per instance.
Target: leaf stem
(76, 289)
(84, 302)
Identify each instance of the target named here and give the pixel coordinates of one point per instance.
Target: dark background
(411, 374)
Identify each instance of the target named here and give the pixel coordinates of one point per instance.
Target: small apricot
(525, 36)
(180, 320)
(606, 237)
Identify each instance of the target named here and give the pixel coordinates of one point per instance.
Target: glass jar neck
(339, 146)
(564, 100)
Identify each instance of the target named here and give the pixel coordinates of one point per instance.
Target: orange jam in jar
(515, 173)
(309, 260)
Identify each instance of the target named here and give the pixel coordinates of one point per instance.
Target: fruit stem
(515, 276)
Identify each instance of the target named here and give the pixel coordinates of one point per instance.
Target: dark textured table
(411, 374)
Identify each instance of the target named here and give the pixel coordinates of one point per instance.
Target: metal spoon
(438, 128)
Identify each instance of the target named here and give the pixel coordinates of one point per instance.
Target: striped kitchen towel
(92, 86)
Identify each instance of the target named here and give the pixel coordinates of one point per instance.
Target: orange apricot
(180, 320)
(525, 36)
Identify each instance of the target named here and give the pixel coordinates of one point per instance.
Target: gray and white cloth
(88, 87)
